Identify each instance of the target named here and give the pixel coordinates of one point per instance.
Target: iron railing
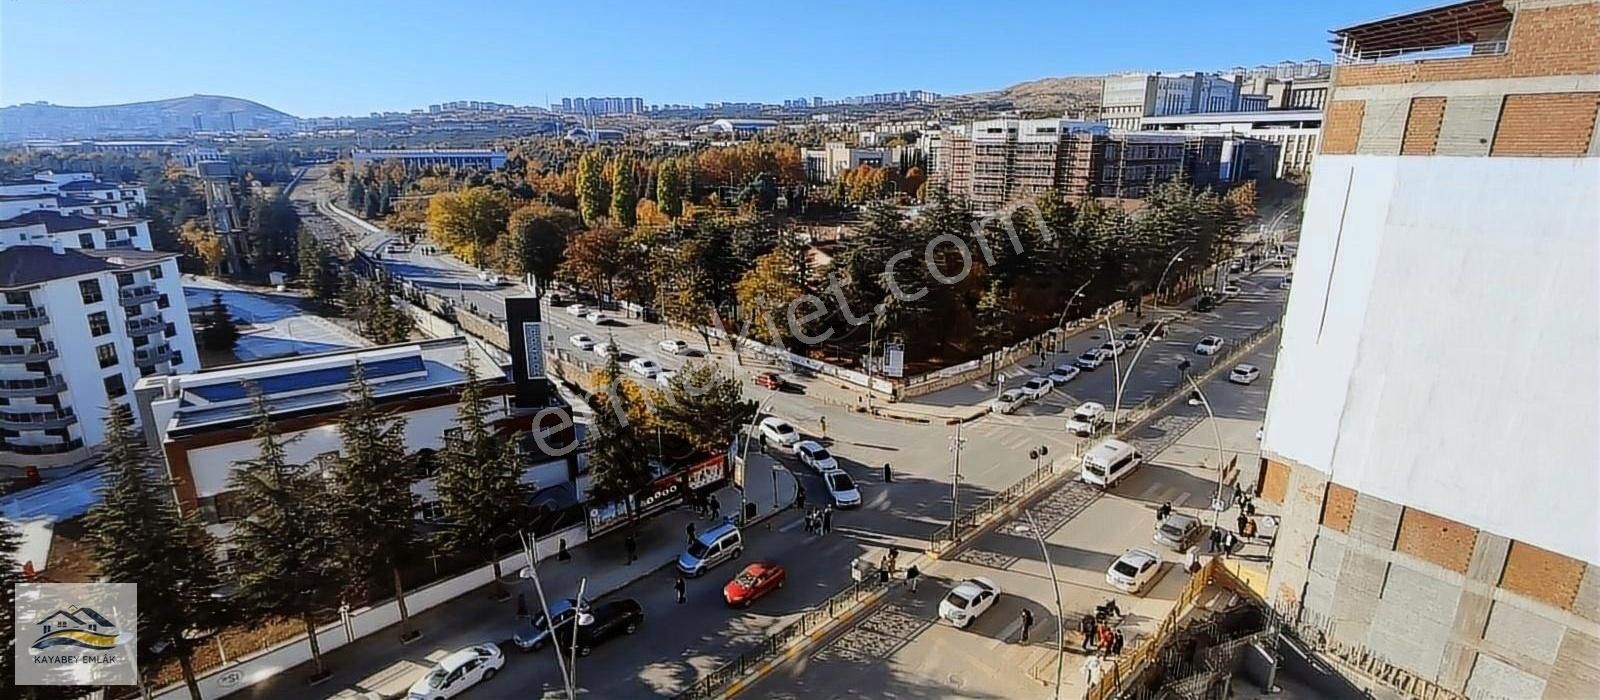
(943, 539)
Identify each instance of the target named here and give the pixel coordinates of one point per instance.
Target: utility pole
(955, 483)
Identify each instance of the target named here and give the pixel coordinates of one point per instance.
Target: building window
(86, 240)
(141, 341)
(171, 331)
(431, 511)
(99, 324)
(115, 387)
(147, 371)
(124, 279)
(162, 303)
(90, 289)
(155, 272)
(19, 298)
(177, 357)
(107, 354)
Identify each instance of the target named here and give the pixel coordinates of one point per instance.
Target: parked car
(1114, 347)
(1208, 345)
(1087, 418)
(1092, 358)
(644, 367)
(712, 547)
(1157, 330)
(1286, 281)
(578, 310)
(1177, 532)
(457, 672)
(1134, 570)
(537, 634)
(777, 432)
(595, 317)
(605, 349)
(1205, 303)
(815, 456)
(1009, 401)
(675, 347)
(1236, 267)
(771, 380)
(842, 488)
(1131, 337)
(757, 580)
(1230, 290)
(967, 600)
(1244, 374)
(1037, 387)
(1063, 373)
(603, 622)
(582, 342)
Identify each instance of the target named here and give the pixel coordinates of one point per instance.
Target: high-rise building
(1430, 436)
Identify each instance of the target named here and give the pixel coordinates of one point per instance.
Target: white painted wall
(1439, 348)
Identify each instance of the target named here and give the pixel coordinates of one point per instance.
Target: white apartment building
(824, 164)
(1296, 131)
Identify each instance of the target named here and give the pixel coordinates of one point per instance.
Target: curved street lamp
(1216, 433)
(1176, 258)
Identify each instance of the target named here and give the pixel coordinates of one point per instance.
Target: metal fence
(1115, 675)
(948, 536)
(714, 683)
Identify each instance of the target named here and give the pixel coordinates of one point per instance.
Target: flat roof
(1447, 25)
(1271, 115)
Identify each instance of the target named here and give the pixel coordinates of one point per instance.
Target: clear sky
(339, 57)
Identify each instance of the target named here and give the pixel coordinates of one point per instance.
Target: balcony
(31, 317)
(30, 388)
(149, 325)
(29, 352)
(134, 296)
(43, 420)
(119, 243)
(150, 357)
(48, 449)
(1352, 57)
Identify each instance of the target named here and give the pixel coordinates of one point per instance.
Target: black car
(1156, 330)
(604, 621)
(1205, 304)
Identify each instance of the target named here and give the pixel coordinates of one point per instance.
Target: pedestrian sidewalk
(378, 666)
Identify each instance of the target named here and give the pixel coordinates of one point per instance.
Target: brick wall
(1422, 126)
(1438, 540)
(1341, 127)
(1338, 508)
(1542, 575)
(1546, 41)
(1557, 124)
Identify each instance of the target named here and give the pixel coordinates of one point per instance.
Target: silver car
(1177, 532)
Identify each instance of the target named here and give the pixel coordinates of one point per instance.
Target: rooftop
(89, 185)
(1449, 25)
(1272, 115)
(28, 265)
(53, 221)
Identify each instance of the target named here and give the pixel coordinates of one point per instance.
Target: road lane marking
(881, 501)
(1006, 633)
(791, 526)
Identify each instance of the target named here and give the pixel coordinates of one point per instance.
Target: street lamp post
(955, 483)
(1061, 656)
(744, 451)
(1076, 294)
(1177, 258)
(1216, 434)
(529, 542)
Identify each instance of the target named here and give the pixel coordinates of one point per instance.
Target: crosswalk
(1015, 434)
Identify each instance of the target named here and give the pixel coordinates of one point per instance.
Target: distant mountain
(174, 117)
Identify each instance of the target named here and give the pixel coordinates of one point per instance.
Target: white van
(1087, 418)
(1108, 462)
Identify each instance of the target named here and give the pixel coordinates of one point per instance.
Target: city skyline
(306, 60)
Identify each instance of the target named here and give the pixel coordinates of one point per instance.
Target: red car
(771, 380)
(755, 581)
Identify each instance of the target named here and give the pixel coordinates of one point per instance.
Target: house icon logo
(79, 627)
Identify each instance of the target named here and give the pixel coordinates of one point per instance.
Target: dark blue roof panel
(331, 377)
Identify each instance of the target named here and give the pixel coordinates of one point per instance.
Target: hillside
(1055, 94)
(171, 117)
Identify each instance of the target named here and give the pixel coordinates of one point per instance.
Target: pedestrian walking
(632, 546)
(1228, 543)
(1027, 624)
(1249, 507)
(1242, 520)
(1216, 539)
(823, 421)
(1116, 643)
(522, 606)
(1191, 560)
(888, 476)
(1105, 637)
(1091, 671)
(892, 558)
(800, 498)
(827, 520)
(562, 554)
(716, 507)
(1249, 530)
(689, 529)
(1164, 511)
(911, 577)
(678, 587)
(1086, 628)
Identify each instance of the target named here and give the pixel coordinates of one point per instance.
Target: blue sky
(336, 57)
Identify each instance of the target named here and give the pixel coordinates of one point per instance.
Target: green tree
(593, 198)
(705, 406)
(355, 196)
(537, 236)
(480, 480)
(138, 535)
(469, 221)
(595, 260)
(619, 459)
(670, 189)
(373, 507)
(624, 192)
(765, 293)
(316, 270)
(217, 330)
(372, 206)
(289, 559)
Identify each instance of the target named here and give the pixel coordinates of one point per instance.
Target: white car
(674, 347)
(1115, 347)
(644, 367)
(777, 432)
(1208, 345)
(664, 377)
(1009, 401)
(1092, 358)
(1131, 337)
(1230, 290)
(605, 349)
(578, 310)
(1244, 374)
(1064, 373)
(595, 317)
(1038, 387)
(1087, 418)
(582, 342)
(1134, 570)
(815, 456)
(458, 672)
(968, 600)
(842, 488)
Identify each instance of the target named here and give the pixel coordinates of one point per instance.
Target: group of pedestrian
(1223, 540)
(1099, 631)
(1164, 511)
(819, 521)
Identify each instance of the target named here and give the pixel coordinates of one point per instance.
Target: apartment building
(824, 164)
(1127, 99)
(1296, 132)
(1430, 431)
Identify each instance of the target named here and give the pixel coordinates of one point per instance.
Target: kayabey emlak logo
(76, 634)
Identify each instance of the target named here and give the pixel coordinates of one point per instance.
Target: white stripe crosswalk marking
(1006, 633)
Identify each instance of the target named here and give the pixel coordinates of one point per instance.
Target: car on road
(1208, 345)
(1131, 337)
(1092, 358)
(578, 310)
(712, 547)
(1087, 418)
(1109, 462)
(1244, 374)
(1134, 570)
(1236, 267)
(967, 600)
(757, 580)
(537, 633)
(1009, 401)
(1115, 347)
(1286, 281)
(603, 622)
(605, 349)
(815, 456)
(664, 377)
(1230, 290)
(457, 672)
(777, 432)
(1064, 373)
(1157, 330)
(644, 367)
(842, 488)
(1206, 303)
(1177, 532)
(582, 342)
(595, 317)
(673, 347)
(1038, 387)
(771, 380)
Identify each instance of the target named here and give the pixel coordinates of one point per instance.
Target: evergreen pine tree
(372, 207)
(355, 196)
(624, 192)
(591, 186)
(670, 189)
(705, 406)
(218, 332)
(139, 536)
(480, 480)
(619, 459)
